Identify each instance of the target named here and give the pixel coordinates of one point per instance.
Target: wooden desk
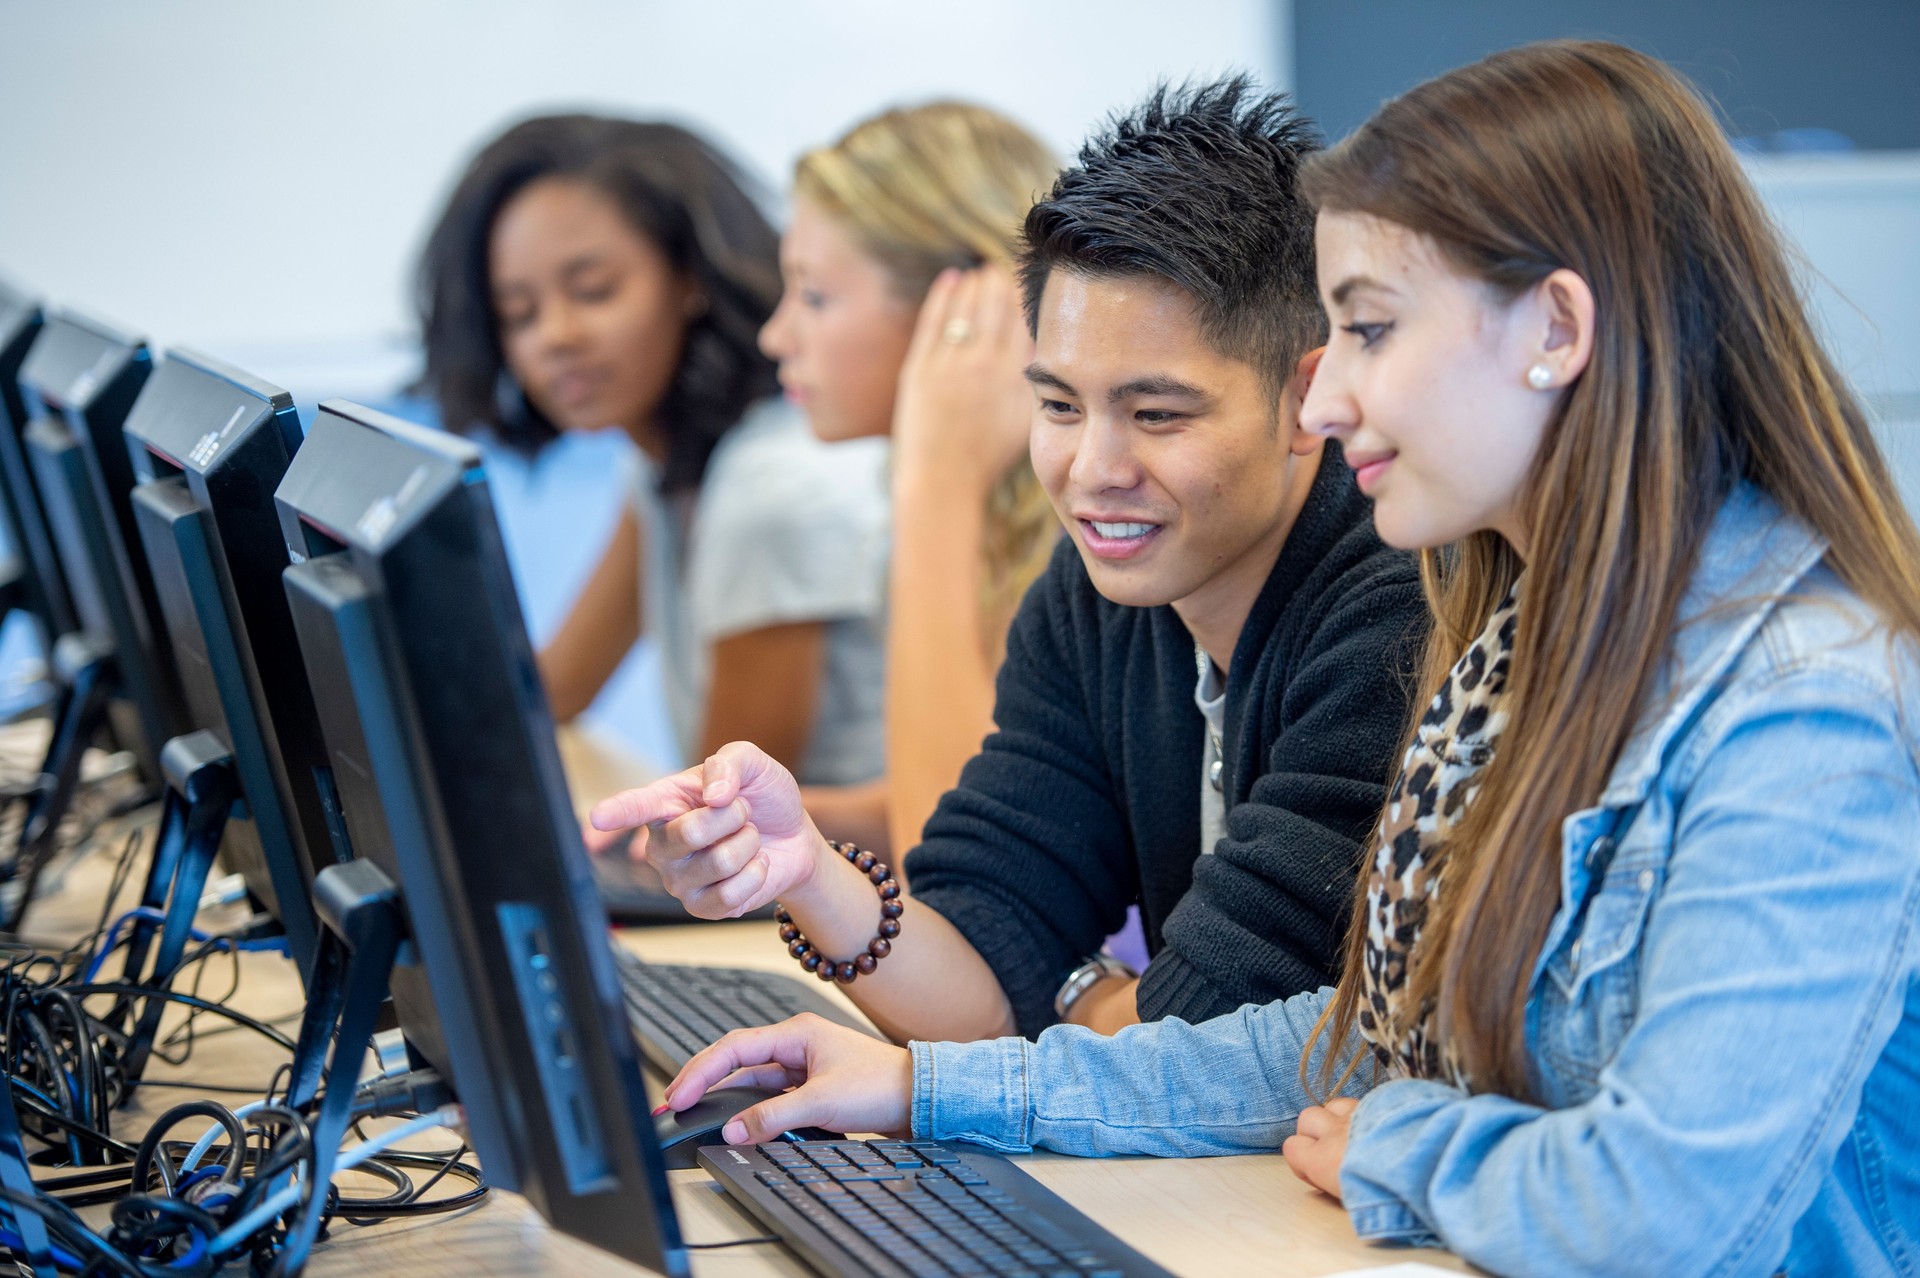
(1218, 1216)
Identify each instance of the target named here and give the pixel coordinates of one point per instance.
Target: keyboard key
(936, 1155)
(921, 1209)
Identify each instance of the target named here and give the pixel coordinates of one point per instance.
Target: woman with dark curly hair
(591, 272)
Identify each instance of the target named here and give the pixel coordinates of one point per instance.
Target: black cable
(149, 1222)
(95, 1086)
(198, 961)
(171, 996)
(189, 1085)
(734, 1242)
(39, 1108)
(121, 869)
(66, 1229)
(439, 1206)
(420, 1191)
(144, 1162)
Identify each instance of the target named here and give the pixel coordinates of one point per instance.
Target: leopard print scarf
(1438, 778)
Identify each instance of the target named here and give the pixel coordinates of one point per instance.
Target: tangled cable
(175, 1216)
(237, 1188)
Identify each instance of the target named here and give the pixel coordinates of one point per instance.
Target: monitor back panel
(42, 582)
(79, 382)
(478, 745)
(209, 445)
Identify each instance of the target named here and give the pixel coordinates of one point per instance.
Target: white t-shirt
(1210, 697)
(784, 528)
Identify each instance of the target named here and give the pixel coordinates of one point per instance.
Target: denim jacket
(1724, 1022)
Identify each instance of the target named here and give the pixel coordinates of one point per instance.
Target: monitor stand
(203, 791)
(363, 934)
(17, 1179)
(84, 669)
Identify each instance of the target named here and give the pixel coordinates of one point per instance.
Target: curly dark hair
(686, 198)
(1196, 185)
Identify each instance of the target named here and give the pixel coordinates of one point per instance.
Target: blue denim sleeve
(1772, 970)
(1230, 1085)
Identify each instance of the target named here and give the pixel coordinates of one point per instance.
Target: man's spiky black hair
(1195, 186)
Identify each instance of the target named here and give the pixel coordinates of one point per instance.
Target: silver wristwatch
(1084, 977)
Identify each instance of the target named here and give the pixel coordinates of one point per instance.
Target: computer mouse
(681, 1135)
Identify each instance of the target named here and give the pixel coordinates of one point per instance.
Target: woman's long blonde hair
(1705, 371)
(922, 189)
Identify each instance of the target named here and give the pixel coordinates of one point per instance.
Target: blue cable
(73, 1138)
(194, 1178)
(213, 1133)
(61, 1256)
(195, 1254)
(112, 938)
(242, 1229)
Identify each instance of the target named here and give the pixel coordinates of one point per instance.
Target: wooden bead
(878, 948)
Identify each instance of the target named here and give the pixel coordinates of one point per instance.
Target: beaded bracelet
(878, 948)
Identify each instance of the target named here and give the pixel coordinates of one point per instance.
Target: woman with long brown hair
(1633, 978)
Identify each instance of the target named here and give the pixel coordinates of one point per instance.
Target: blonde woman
(900, 316)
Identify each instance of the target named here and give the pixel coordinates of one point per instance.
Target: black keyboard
(632, 892)
(675, 1010)
(919, 1209)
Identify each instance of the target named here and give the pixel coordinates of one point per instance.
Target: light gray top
(1210, 694)
(784, 529)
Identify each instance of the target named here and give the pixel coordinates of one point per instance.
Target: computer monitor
(406, 589)
(79, 381)
(209, 444)
(40, 588)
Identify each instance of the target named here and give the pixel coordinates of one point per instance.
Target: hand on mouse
(727, 836)
(842, 1080)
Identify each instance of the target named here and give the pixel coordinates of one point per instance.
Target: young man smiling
(1202, 697)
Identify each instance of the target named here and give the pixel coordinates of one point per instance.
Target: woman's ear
(1300, 441)
(1565, 303)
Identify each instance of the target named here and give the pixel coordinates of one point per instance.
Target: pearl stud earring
(1539, 377)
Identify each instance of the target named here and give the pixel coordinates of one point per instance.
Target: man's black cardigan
(1086, 799)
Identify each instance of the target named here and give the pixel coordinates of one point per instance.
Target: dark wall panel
(1849, 66)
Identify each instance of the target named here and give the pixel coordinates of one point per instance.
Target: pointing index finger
(648, 805)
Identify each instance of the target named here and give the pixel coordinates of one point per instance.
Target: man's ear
(1301, 443)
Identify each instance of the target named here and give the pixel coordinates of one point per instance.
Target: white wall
(252, 175)
(1856, 221)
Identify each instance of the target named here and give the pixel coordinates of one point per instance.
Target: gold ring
(958, 330)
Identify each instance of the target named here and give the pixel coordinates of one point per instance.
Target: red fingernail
(663, 1109)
